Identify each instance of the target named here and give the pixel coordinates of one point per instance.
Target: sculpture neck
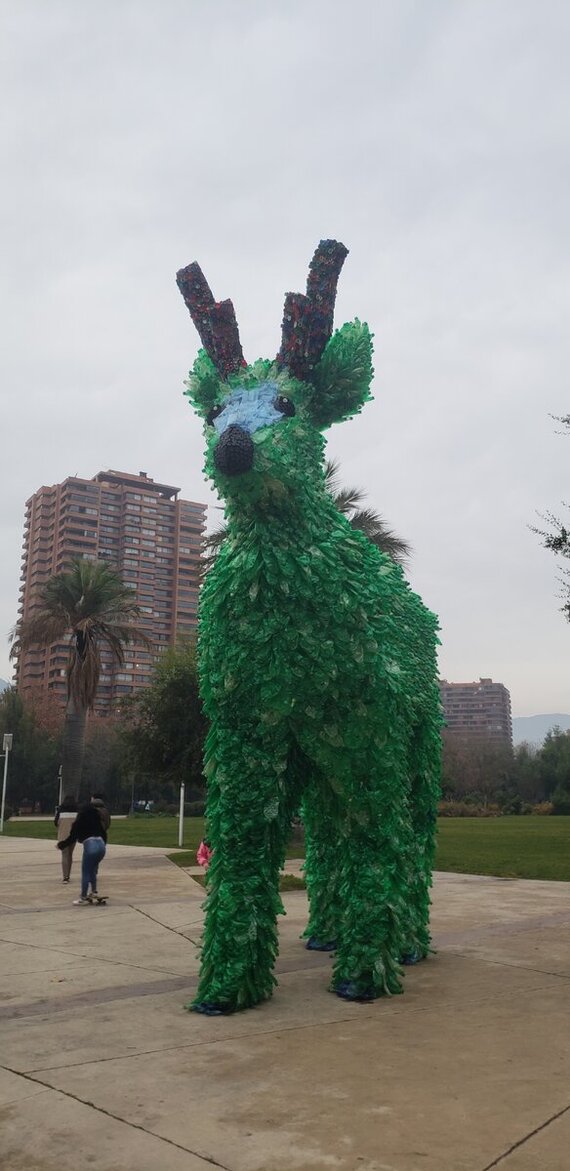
(283, 517)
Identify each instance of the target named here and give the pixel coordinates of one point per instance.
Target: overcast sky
(432, 138)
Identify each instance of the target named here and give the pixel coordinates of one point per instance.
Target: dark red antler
(215, 320)
(308, 320)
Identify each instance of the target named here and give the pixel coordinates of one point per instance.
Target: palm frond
(369, 522)
(215, 539)
(118, 636)
(212, 546)
(348, 498)
(332, 476)
(40, 629)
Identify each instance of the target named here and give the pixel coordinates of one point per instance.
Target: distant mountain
(534, 728)
(4, 684)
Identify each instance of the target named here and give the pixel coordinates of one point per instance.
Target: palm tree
(348, 501)
(90, 605)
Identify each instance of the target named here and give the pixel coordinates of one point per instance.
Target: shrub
(543, 809)
(463, 809)
(297, 835)
(291, 882)
(161, 807)
(194, 809)
(561, 801)
(517, 806)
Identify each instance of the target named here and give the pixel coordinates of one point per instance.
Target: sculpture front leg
(247, 827)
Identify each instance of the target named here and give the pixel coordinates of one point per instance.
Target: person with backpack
(90, 827)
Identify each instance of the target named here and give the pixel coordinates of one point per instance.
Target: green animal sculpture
(317, 667)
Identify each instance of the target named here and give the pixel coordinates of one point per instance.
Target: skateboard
(100, 900)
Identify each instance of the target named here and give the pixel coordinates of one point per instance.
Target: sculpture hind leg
(373, 893)
(425, 771)
(248, 818)
(322, 817)
(368, 825)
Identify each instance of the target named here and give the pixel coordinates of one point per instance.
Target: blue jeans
(93, 853)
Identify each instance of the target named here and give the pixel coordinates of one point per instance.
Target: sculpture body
(317, 666)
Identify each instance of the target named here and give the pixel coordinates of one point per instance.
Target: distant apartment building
(151, 537)
(481, 710)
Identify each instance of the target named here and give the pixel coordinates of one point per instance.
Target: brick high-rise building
(481, 710)
(144, 530)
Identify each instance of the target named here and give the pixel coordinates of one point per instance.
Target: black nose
(233, 452)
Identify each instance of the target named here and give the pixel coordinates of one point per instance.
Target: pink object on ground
(204, 855)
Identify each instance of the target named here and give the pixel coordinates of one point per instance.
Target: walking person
(90, 827)
(65, 815)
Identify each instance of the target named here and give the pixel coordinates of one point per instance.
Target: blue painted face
(249, 409)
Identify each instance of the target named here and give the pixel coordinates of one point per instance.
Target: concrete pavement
(100, 1066)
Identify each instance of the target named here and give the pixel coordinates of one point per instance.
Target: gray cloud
(432, 138)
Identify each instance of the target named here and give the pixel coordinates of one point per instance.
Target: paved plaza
(101, 1068)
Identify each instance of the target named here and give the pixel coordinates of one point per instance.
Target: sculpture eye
(284, 405)
(213, 414)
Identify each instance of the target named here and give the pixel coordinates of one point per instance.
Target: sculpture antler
(308, 320)
(215, 320)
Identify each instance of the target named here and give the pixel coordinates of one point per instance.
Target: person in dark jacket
(65, 815)
(90, 827)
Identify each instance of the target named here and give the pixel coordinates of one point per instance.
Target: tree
(555, 766)
(476, 768)
(527, 773)
(90, 606)
(557, 538)
(165, 725)
(105, 764)
(35, 755)
(348, 501)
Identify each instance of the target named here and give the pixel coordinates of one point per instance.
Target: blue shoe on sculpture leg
(352, 990)
(206, 1008)
(314, 944)
(412, 957)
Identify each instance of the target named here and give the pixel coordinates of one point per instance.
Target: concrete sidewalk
(100, 1066)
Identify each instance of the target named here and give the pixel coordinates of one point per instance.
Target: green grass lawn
(512, 847)
(141, 830)
(286, 881)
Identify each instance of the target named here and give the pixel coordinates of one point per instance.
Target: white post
(7, 746)
(181, 817)
(60, 796)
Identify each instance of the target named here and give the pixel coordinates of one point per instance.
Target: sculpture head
(264, 423)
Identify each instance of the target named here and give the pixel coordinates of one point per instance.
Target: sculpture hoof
(314, 944)
(208, 1008)
(411, 957)
(349, 990)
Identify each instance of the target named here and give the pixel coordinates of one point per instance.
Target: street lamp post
(181, 816)
(7, 746)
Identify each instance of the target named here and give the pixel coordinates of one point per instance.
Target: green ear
(340, 382)
(204, 385)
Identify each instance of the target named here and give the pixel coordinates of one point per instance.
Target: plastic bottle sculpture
(317, 666)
